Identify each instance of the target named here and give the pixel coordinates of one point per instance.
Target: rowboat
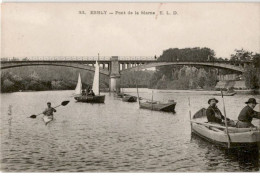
(97, 98)
(91, 99)
(158, 106)
(129, 98)
(216, 133)
(226, 94)
(47, 119)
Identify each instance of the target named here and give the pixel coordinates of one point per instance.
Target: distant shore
(240, 92)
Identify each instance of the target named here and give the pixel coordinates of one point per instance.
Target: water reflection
(115, 136)
(216, 156)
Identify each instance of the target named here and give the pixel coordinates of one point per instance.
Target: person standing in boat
(247, 114)
(214, 114)
(49, 110)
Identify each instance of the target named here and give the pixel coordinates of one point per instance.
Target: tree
(252, 77)
(241, 55)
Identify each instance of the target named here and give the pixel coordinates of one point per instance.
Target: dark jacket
(247, 114)
(214, 115)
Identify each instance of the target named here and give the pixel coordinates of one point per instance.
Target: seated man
(215, 115)
(49, 110)
(91, 92)
(247, 114)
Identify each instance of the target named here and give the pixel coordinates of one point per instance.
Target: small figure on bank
(247, 114)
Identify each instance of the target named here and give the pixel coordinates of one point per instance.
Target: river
(115, 136)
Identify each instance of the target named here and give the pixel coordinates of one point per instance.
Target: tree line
(164, 77)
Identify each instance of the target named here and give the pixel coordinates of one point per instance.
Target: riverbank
(127, 89)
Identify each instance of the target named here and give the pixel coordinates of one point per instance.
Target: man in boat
(247, 114)
(214, 115)
(84, 92)
(91, 92)
(49, 110)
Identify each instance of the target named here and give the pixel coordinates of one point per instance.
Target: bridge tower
(114, 84)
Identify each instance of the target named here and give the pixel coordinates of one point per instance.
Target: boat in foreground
(159, 106)
(216, 133)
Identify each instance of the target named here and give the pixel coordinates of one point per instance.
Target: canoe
(158, 106)
(47, 119)
(226, 94)
(129, 98)
(216, 133)
(91, 99)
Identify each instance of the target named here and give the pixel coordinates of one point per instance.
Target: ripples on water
(115, 136)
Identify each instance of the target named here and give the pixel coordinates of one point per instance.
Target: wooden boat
(158, 106)
(216, 133)
(97, 98)
(91, 99)
(226, 94)
(129, 98)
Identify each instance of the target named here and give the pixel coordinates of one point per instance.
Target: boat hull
(237, 139)
(166, 107)
(91, 99)
(226, 94)
(47, 119)
(129, 99)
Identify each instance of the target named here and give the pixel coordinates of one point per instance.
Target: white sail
(79, 86)
(95, 86)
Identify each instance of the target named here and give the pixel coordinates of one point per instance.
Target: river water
(115, 136)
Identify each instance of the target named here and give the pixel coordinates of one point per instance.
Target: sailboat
(90, 98)
(78, 89)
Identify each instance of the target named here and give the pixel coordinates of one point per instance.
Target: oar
(137, 93)
(152, 99)
(190, 113)
(64, 103)
(225, 116)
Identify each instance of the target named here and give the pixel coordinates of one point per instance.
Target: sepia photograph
(130, 87)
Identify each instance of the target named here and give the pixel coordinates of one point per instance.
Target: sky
(57, 29)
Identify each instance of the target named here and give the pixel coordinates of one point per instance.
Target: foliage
(185, 77)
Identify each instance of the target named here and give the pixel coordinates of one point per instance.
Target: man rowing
(214, 115)
(247, 114)
(49, 112)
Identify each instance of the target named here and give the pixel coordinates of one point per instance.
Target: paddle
(190, 112)
(64, 103)
(152, 99)
(137, 92)
(225, 116)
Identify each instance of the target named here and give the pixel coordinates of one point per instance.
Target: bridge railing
(107, 58)
(76, 58)
(56, 58)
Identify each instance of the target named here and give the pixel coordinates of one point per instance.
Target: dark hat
(49, 103)
(251, 100)
(212, 99)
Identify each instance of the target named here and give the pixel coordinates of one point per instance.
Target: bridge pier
(114, 83)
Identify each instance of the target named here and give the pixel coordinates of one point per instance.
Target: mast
(98, 78)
